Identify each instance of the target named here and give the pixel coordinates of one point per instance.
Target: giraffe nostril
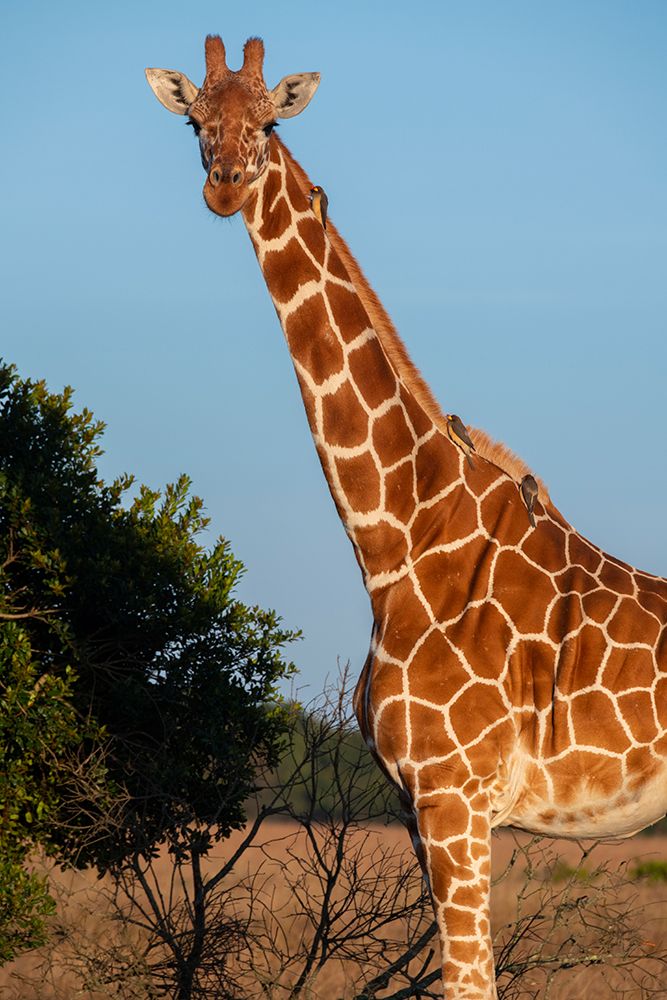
(215, 176)
(237, 177)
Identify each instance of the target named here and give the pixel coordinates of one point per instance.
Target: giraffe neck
(372, 423)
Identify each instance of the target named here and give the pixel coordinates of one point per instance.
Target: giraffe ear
(293, 93)
(172, 89)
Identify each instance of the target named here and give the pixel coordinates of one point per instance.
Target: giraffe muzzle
(226, 190)
(226, 173)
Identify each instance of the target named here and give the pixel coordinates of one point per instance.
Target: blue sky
(500, 171)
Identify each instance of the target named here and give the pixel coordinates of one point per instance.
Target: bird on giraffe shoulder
(459, 435)
(529, 493)
(319, 203)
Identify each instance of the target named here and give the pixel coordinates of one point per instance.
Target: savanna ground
(592, 923)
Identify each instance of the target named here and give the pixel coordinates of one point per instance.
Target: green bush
(138, 696)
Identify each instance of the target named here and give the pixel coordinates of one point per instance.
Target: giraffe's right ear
(172, 89)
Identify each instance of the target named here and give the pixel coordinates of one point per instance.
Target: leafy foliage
(39, 739)
(140, 694)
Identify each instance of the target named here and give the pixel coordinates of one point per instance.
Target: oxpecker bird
(320, 204)
(459, 435)
(529, 493)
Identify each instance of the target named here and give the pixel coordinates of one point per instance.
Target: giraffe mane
(400, 360)
(507, 460)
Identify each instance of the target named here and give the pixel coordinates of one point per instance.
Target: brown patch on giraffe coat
(583, 554)
(504, 515)
(471, 787)
(580, 770)
(596, 723)
(337, 267)
(470, 896)
(287, 270)
(566, 616)
(371, 372)
(275, 224)
(654, 586)
(427, 733)
(486, 756)
(404, 618)
(599, 604)
(630, 623)
(479, 980)
(637, 710)
(462, 952)
(459, 851)
(476, 709)
(485, 867)
(435, 672)
(478, 850)
(641, 766)
(534, 792)
(428, 466)
(575, 580)
(392, 438)
(532, 673)
(479, 802)
(479, 828)
(448, 773)
(628, 668)
(661, 701)
(652, 603)
(309, 406)
(312, 234)
(350, 316)
(391, 731)
(295, 191)
(344, 420)
(311, 341)
(444, 814)
(446, 581)
(460, 923)
(442, 872)
(449, 521)
(616, 578)
(557, 731)
(398, 492)
(484, 637)
(514, 578)
(579, 660)
(547, 547)
(384, 546)
(418, 418)
(360, 481)
(387, 680)
(526, 722)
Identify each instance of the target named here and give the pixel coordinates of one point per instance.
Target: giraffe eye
(196, 127)
(268, 129)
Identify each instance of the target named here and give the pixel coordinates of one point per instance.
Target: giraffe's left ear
(173, 89)
(293, 93)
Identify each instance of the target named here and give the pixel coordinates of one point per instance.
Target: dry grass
(88, 938)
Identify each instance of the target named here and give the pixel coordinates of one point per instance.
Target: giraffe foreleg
(455, 836)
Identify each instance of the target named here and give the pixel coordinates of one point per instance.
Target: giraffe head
(233, 115)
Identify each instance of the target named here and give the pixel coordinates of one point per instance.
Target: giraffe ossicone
(517, 674)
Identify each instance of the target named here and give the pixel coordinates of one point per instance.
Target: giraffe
(517, 675)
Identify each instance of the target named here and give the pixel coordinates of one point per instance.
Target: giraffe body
(516, 675)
